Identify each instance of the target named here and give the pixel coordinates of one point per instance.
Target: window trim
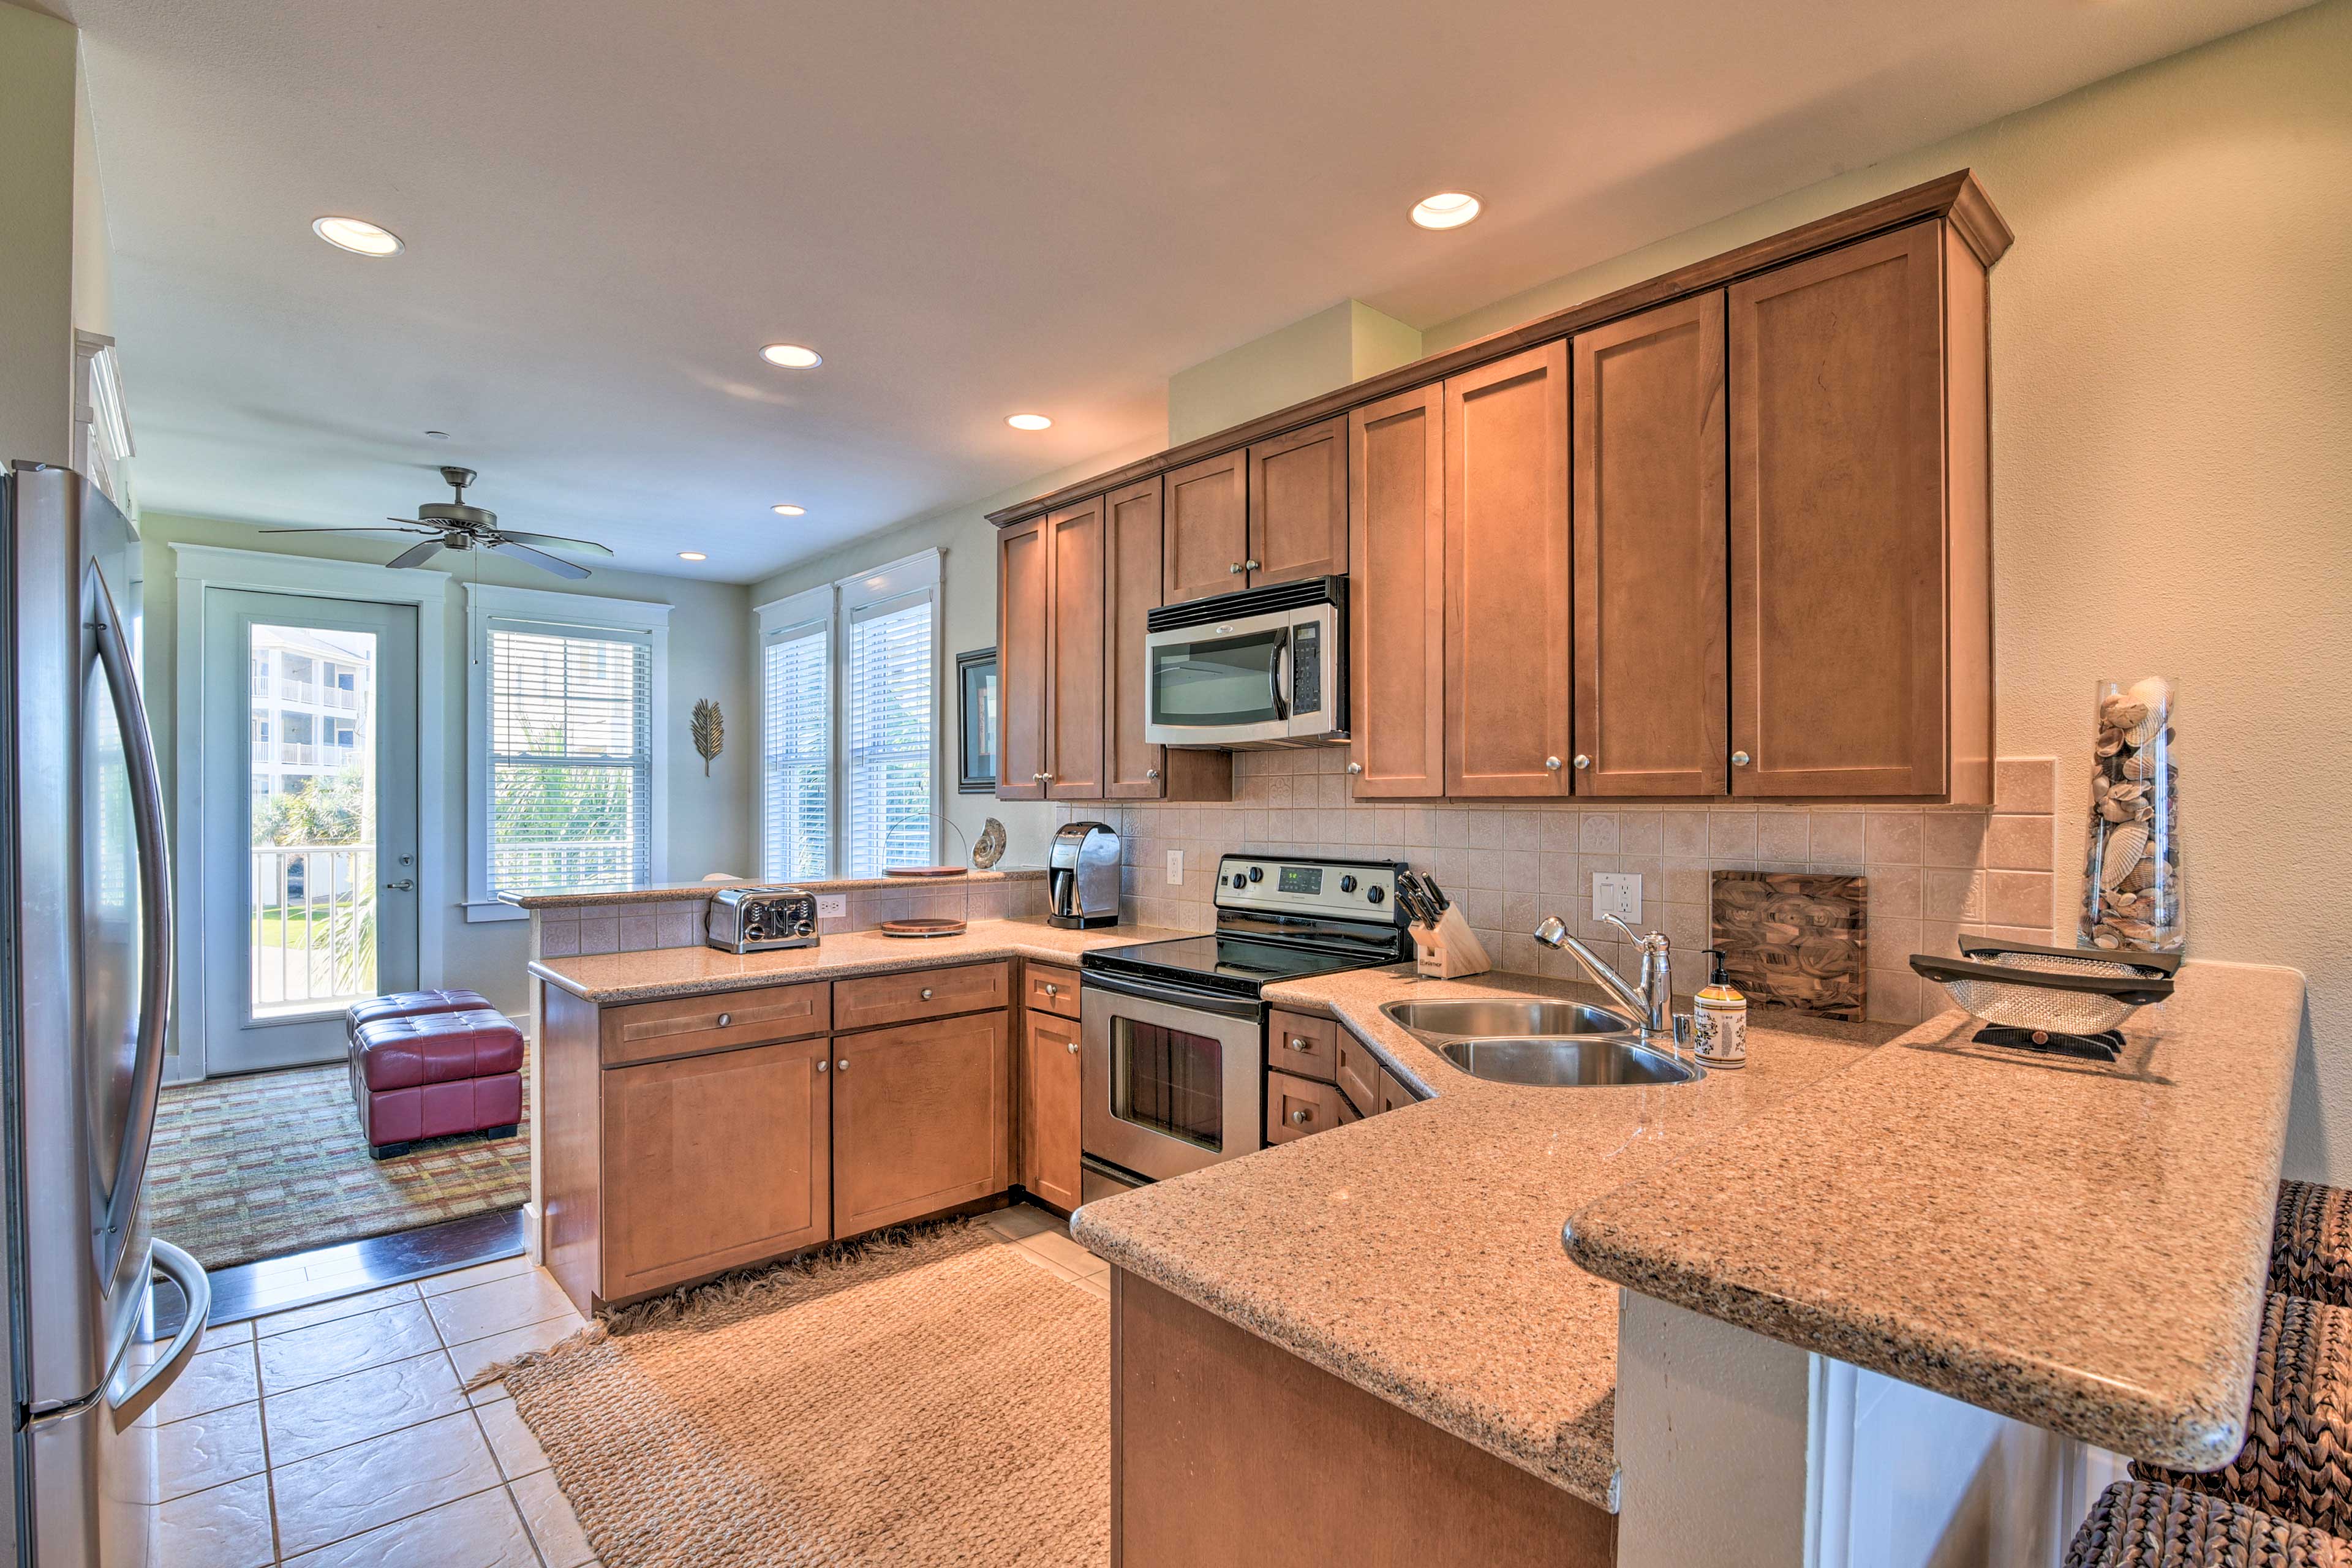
(488, 602)
(836, 603)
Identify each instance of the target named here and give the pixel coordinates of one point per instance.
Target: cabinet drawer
(687, 1025)
(918, 994)
(1296, 1106)
(1394, 1092)
(1296, 1042)
(1051, 990)
(1358, 1072)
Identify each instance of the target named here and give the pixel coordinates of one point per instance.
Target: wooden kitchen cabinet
(1861, 614)
(1507, 629)
(1302, 1045)
(1298, 505)
(1207, 546)
(1396, 596)
(712, 1161)
(1650, 510)
(922, 1119)
(1074, 652)
(1049, 1109)
(1024, 574)
(1298, 1108)
(1133, 768)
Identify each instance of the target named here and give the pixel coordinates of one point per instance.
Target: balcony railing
(298, 753)
(299, 690)
(336, 697)
(311, 926)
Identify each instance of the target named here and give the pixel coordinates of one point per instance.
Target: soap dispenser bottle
(1719, 1020)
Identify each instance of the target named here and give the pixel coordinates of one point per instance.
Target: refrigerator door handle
(154, 913)
(188, 1274)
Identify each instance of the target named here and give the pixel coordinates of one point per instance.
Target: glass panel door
(1169, 1081)
(1216, 681)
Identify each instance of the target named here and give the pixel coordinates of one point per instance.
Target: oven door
(1222, 683)
(1171, 1080)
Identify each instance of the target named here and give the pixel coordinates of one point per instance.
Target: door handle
(405, 885)
(197, 1294)
(1277, 673)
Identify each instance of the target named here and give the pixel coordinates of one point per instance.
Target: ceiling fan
(456, 526)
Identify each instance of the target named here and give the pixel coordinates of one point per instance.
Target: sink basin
(1493, 1017)
(1587, 1063)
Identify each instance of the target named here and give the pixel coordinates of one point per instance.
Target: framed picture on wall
(976, 751)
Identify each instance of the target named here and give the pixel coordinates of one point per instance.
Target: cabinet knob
(1552, 763)
(842, 1065)
(1298, 1117)
(1299, 1043)
(725, 1019)
(1234, 570)
(822, 1064)
(1047, 777)
(1052, 989)
(1074, 1047)
(927, 992)
(1738, 758)
(1583, 761)
(1151, 773)
(1354, 767)
(1251, 565)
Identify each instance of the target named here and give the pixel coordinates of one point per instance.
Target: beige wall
(1330, 348)
(36, 236)
(708, 822)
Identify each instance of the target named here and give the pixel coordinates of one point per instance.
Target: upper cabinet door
(1649, 571)
(1074, 653)
(1396, 594)
(1508, 627)
(1208, 527)
(1838, 631)
(1023, 585)
(1298, 505)
(1131, 548)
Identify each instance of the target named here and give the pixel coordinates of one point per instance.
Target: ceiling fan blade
(356, 530)
(538, 558)
(556, 540)
(415, 554)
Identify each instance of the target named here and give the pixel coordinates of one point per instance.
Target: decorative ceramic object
(990, 848)
(709, 733)
(2131, 873)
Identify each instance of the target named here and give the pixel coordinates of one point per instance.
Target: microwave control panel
(1307, 668)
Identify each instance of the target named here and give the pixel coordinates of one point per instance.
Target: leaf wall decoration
(709, 733)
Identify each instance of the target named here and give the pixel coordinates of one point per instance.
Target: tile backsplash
(1935, 872)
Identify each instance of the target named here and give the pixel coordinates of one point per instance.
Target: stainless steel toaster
(761, 919)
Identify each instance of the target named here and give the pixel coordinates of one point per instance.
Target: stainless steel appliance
(1250, 671)
(1172, 1065)
(761, 919)
(87, 947)
(1082, 877)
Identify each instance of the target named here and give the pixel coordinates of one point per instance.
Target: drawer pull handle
(1299, 1043)
(725, 1019)
(1298, 1117)
(1074, 1047)
(927, 992)
(1052, 989)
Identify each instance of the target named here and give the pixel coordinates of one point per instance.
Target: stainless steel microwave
(1244, 671)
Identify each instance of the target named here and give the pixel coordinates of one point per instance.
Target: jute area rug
(927, 1398)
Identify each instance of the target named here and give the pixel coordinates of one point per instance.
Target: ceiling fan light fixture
(1029, 421)
(1447, 209)
(792, 356)
(786, 509)
(357, 236)
(692, 555)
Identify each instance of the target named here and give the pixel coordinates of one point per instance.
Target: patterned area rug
(926, 1398)
(273, 1163)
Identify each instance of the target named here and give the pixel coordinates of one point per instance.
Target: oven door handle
(1171, 994)
(1277, 672)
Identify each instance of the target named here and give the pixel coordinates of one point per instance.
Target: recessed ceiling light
(1447, 209)
(357, 236)
(792, 356)
(786, 509)
(692, 555)
(1028, 421)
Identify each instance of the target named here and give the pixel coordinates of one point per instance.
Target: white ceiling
(970, 208)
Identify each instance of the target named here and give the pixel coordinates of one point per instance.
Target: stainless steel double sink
(1549, 1044)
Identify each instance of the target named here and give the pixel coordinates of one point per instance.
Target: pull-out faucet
(1653, 1001)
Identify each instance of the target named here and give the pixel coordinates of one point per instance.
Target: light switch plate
(1617, 893)
(832, 906)
(1175, 868)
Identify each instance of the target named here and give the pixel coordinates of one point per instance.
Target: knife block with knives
(1448, 948)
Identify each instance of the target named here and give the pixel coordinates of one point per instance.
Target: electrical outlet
(1175, 868)
(1617, 893)
(832, 906)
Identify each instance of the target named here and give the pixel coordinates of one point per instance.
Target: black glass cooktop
(1237, 964)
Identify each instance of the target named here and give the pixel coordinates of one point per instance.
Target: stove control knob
(1257, 873)
(1347, 884)
(1374, 893)
(1240, 881)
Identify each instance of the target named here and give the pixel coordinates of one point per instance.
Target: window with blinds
(890, 700)
(796, 744)
(571, 756)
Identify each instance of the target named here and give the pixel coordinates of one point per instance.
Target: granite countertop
(612, 978)
(2080, 1246)
(1417, 1254)
(572, 898)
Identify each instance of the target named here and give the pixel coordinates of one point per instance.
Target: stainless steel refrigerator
(86, 944)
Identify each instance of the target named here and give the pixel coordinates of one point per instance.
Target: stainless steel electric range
(1173, 1064)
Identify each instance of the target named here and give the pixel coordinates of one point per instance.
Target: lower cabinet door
(1049, 1109)
(922, 1119)
(714, 1161)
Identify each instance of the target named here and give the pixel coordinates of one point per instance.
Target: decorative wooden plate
(922, 871)
(921, 928)
(1796, 940)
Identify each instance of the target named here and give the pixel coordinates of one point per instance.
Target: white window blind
(891, 698)
(796, 744)
(571, 756)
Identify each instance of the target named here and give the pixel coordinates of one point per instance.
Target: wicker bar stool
(2147, 1524)
(2298, 1458)
(2311, 1243)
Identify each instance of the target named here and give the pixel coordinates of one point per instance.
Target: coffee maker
(1082, 878)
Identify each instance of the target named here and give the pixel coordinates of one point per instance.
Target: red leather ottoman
(410, 1005)
(430, 1075)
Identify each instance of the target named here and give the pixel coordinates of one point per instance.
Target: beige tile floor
(338, 1436)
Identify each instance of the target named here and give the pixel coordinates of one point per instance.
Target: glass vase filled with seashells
(2131, 874)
